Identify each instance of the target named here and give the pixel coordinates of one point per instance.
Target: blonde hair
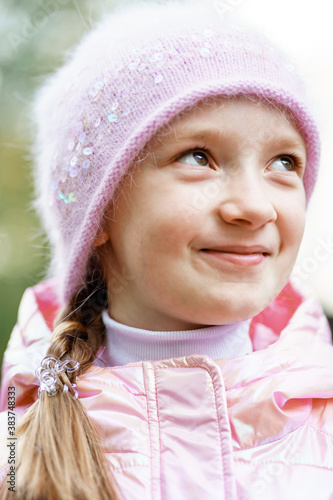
(61, 457)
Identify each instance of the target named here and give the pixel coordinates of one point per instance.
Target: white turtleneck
(126, 344)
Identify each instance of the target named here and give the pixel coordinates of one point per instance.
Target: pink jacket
(255, 427)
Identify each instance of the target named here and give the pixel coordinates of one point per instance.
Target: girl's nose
(245, 201)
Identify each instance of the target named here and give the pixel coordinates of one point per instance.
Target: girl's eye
(194, 158)
(284, 163)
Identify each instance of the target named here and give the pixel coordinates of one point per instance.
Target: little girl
(168, 355)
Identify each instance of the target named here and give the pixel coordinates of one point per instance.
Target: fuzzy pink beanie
(132, 74)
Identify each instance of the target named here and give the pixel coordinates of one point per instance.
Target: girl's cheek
(291, 207)
(294, 224)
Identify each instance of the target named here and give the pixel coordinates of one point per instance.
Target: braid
(60, 455)
(79, 329)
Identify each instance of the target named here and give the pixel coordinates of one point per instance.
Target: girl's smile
(241, 257)
(210, 223)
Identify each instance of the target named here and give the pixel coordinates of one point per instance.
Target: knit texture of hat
(131, 75)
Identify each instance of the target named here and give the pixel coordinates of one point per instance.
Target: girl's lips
(240, 259)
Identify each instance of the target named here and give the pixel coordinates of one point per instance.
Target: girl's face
(209, 228)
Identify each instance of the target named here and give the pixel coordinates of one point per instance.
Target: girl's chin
(244, 314)
(219, 319)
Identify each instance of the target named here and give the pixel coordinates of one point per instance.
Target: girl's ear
(102, 237)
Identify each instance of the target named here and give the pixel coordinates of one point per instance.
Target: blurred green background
(35, 36)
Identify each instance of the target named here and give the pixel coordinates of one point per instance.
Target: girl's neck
(126, 344)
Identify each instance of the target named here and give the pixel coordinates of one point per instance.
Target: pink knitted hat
(132, 74)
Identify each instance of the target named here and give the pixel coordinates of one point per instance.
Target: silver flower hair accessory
(49, 370)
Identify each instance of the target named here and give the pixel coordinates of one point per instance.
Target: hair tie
(49, 370)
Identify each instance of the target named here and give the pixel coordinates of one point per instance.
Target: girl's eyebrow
(200, 134)
(288, 142)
